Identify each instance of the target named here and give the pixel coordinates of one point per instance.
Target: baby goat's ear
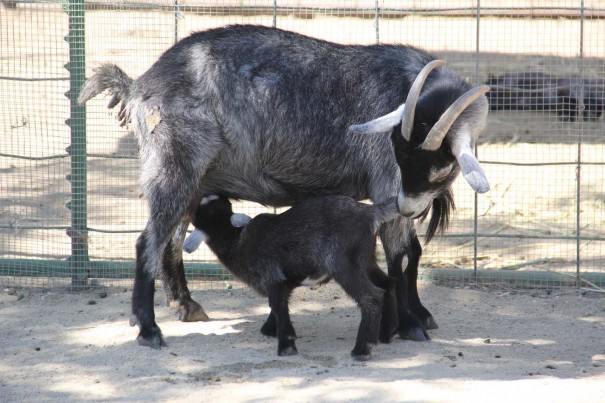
(240, 220)
(194, 240)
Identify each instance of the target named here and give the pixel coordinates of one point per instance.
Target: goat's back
(315, 236)
(281, 104)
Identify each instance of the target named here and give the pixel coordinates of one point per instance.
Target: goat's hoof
(284, 352)
(385, 338)
(429, 323)
(153, 339)
(415, 334)
(362, 355)
(386, 333)
(269, 330)
(191, 311)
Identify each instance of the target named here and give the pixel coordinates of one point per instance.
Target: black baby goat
(322, 238)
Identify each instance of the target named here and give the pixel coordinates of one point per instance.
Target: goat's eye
(439, 174)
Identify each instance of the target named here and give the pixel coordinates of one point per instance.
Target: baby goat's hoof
(284, 352)
(415, 334)
(269, 329)
(361, 353)
(386, 333)
(361, 356)
(385, 337)
(430, 323)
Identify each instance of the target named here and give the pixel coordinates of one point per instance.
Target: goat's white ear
(473, 173)
(194, 240)
(382, 124)
(240, 220)
(470, 167)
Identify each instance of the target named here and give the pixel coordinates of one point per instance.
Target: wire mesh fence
(70, 203)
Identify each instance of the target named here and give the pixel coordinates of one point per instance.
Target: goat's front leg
(397, 237)
(411, 271)
(175, 282)
(278, 301)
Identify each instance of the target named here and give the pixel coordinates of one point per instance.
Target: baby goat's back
(313, 237)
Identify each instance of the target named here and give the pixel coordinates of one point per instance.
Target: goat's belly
(265, 189)
(310, 281)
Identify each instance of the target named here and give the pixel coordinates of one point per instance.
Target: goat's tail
(108, 77)
(385, 212)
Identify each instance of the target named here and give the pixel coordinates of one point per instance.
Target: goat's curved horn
(407, 121)
(437, 134)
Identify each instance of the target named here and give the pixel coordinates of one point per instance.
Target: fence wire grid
(70, 203)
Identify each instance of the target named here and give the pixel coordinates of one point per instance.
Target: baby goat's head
(213, 215)
(433, 136)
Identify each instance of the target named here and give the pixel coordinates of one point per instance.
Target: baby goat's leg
(369, 299)
(269, 328)
(388, 318)
(278, 301)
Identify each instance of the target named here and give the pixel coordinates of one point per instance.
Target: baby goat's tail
(108, 77)
(385, 212)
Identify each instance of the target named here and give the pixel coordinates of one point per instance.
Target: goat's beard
(441, 209)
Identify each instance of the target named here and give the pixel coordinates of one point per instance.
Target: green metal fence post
(77, 150)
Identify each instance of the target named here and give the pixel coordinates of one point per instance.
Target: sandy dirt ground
(492, 345)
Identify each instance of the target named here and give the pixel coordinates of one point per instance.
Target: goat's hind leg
(269, 328)
(143, 292)
(369, 298)
(151, 246)
(174, 281)
(388, 316)
(168, 202)
(173, 164)
(278, 301)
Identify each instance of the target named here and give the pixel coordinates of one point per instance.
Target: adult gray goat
(266, 115)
